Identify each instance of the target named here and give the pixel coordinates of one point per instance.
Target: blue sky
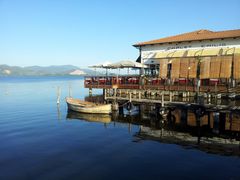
(82, 33)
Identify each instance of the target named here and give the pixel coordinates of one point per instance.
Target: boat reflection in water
(102, 118)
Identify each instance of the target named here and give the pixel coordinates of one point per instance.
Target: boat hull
(90, 108)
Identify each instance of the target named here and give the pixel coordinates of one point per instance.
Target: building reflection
(218, 132)
(219, 135)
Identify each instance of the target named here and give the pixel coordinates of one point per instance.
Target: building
(201, 61)
(187, 73)
(182, 51)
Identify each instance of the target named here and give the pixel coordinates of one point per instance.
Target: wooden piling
(162, 99)
(90, 92)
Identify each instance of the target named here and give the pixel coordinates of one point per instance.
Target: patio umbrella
(105, 65)
(102, 65)
(127, 64)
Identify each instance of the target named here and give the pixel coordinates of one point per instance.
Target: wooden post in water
(58, 112)
(58, 94)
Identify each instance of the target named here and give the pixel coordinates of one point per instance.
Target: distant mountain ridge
(60, 70)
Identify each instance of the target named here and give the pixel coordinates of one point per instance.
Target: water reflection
(102, 118)
(210, 143)
(181, 128)
(189, 134)
(59, 114)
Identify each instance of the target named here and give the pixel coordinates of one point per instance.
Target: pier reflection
(216, 133)
(219, 135)
(208, 143)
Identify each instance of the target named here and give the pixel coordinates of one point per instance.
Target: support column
(162, 99)
(222, 122)
(184, 116)
(216, 122)
(170, 96)
(104, 94)
(90, 92)
(115, 106)
(139, 94)
(130, 96)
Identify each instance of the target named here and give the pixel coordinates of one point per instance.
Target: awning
(148, 55)
(237, 51)
(228, 51)
(171, 54)
(194, 52)
(188, 53)
(211, 52)
(163, 54)
(181, 53)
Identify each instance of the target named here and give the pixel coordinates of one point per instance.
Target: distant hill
(6, 70)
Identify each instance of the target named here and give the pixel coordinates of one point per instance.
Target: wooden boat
(88, 107)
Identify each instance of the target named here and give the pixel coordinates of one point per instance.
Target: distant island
(61, 70)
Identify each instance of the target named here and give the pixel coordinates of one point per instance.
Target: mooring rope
(124, 104)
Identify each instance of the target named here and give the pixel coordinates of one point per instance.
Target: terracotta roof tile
(194, 36)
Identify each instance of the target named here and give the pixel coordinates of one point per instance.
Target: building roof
(194, 36)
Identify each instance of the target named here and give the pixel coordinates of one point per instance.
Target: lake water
(40, 140)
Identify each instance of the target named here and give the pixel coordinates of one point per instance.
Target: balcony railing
(148, 83)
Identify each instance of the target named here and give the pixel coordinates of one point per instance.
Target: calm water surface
(39, 140)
